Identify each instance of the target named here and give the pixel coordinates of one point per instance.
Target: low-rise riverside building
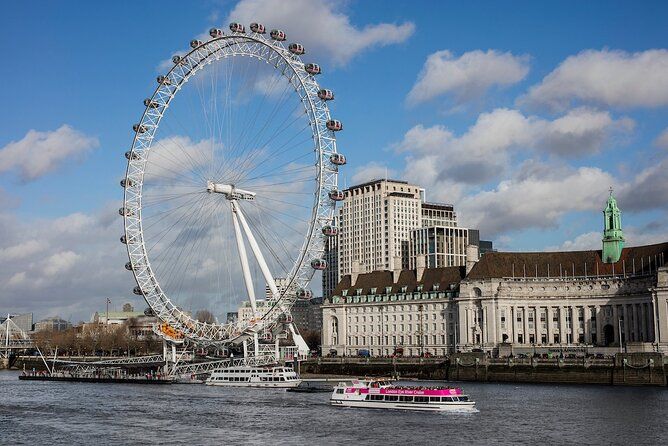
(411, 312)
(591, 301)
(565, 300)
(52, 324)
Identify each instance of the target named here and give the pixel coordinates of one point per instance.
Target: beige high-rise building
(375, 224)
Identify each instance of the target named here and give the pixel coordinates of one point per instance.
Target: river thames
(74, 413)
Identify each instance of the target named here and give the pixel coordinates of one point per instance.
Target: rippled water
(74, 413)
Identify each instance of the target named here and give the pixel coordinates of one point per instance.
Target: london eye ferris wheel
(231, 182)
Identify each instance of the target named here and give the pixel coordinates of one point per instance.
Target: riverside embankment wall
(637, 369)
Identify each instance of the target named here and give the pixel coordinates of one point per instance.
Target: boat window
(376, 397)
(339, 390)
(463, 398)
(406, 399)
(421, 399)
(434, 399)
(454, 398)
(391, 398)
(447, 399)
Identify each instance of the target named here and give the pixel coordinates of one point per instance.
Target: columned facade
(561, 312)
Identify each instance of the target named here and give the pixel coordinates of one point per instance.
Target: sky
(521, 114)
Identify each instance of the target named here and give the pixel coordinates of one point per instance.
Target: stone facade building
(597, 300)
(407, 311)
(558, 299)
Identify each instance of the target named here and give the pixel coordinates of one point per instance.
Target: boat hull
(272, 385)
(430, 407)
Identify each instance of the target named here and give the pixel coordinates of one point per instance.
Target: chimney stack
(396, 270)
(472, 257)
(355, 272)
(421, 262)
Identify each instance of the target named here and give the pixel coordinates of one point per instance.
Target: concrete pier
(624, 369)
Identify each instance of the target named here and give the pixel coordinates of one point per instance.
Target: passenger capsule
(127, 182)
(131, 155)
(285, 318)
(326, 95)
(125, 240)
(336, 195)
(177, 59)
(304, 294)
(163, 80)
(258, 28)
(124, 212)
(277, 34)
(139, 128)
(128, 266)
(312, 68)
(337, 158)
(216, 32)
(150, 104)
(334, 125)
(194, 44)
(136, 290)
(237, 28)
(330, 230)
(319, 264)
(296, 48)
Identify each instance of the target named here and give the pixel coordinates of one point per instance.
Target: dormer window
(358, 292)
(436, 286)
(344, 292)
(373, 290)
(388, 289)
(404, 288)
(420, 288)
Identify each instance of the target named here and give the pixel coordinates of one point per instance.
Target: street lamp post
(106, 321)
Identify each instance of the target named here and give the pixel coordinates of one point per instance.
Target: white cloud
(21, 250)
(536, 197)
(17, 279)
(72, 262)
(647, 190)
(467, 76)
(371, 171)
(662, 140)
(485, 150)
(39, 153)
(583, 242)
(634, 236)
(608, 77)
(581, 131)
(60, 263)
(320, 25)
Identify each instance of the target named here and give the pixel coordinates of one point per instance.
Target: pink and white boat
(380, 394)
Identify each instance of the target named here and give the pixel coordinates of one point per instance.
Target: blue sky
(526, 113)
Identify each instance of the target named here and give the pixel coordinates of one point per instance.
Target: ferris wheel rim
(321, 214)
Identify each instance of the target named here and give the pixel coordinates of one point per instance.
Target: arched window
(476, 292)
(335, 330)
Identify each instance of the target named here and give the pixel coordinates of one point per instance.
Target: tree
(312, 338)
(205, 316)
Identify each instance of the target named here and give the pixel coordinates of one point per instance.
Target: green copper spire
(613, 236)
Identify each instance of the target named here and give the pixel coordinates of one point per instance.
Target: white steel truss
(326, 179)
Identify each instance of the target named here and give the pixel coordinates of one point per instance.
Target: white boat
(381, 394)
(275, 377)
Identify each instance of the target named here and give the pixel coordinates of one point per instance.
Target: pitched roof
(382, 279)
(634, 260)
